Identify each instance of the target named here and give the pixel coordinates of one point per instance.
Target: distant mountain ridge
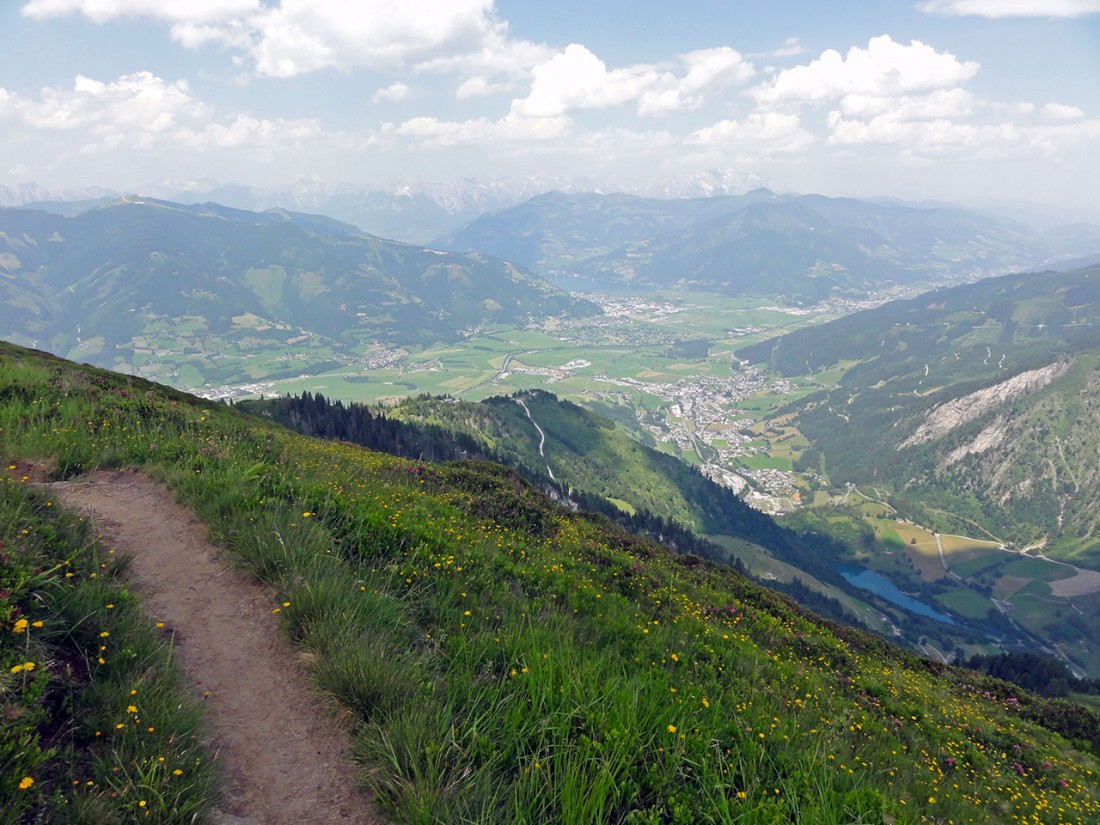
(799, 248)
(409, 210)
(140, 280)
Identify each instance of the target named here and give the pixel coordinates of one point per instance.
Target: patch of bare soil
(286, 761)
(1081, 584)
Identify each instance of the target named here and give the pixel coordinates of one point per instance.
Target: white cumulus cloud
(1060, 111)
(394, 92)
(765, 132)
(941, 103)
(300, 36)
(883, 69)
(986, 141)
(479, 86)
(293, 37)
(131, 109)
(173, 11)
(1011, 8)
(576, 79)
(140, 111)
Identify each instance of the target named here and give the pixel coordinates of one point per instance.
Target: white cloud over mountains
(768, 133)
(913, 98)
(883, 69)
(457, 83)
(142, 111)
(887, 93)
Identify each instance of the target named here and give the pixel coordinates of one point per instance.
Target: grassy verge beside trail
(507, 660)
(95, 726)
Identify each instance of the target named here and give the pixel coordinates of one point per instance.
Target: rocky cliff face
(1029, 448)
(958, 411)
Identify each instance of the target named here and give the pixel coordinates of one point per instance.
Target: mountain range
(214, 288)
(408, 210)
(796, 248)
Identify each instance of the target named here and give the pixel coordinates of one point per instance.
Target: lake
(870, 580)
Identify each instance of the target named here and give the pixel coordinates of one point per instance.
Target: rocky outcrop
(945, 417)
(988, 439)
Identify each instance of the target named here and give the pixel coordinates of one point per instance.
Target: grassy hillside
(549, 441)
(587, 452)
(581, 457)
(510, 660)
(810, 555)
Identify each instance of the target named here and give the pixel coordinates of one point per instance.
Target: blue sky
(964, 100)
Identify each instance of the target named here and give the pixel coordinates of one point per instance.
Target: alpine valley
(932, 460)
(705, 539)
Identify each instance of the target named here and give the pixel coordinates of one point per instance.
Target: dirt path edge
(285, 759)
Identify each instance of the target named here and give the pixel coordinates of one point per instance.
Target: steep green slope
(221, 294)
(582, 458)
(514, 661)
(982, 400)
(587, 452)
(564, 448)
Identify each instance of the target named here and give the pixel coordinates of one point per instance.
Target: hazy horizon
(973, 102)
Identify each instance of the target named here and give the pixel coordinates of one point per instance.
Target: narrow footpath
(285, 760)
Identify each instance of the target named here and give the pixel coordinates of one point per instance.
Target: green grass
(966, 603)
(891, 539)
(96, 724)
(1036, 568)
(507, 660)
(766, 462)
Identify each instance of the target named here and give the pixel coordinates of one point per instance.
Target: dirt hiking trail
(285, 761)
